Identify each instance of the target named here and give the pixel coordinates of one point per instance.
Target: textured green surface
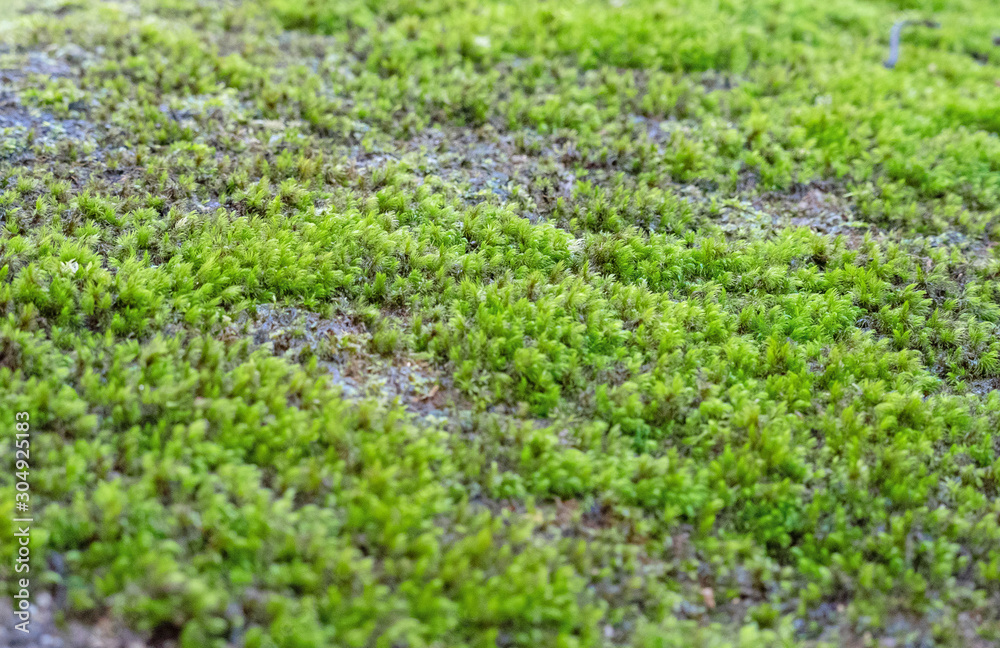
(441, 324)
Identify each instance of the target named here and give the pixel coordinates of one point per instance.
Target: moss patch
(491, 324)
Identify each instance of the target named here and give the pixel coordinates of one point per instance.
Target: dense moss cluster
(444, 323)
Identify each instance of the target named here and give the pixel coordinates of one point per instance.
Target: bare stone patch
(984, 386)
(44, 631)
(35, 63)
(341, 348)
(819, 207)
(295, 329)
(23, 129)
(15, 115)
(475, 165)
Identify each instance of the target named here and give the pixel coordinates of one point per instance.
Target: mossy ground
(434, 324)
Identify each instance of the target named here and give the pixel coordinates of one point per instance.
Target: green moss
(493, 324)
